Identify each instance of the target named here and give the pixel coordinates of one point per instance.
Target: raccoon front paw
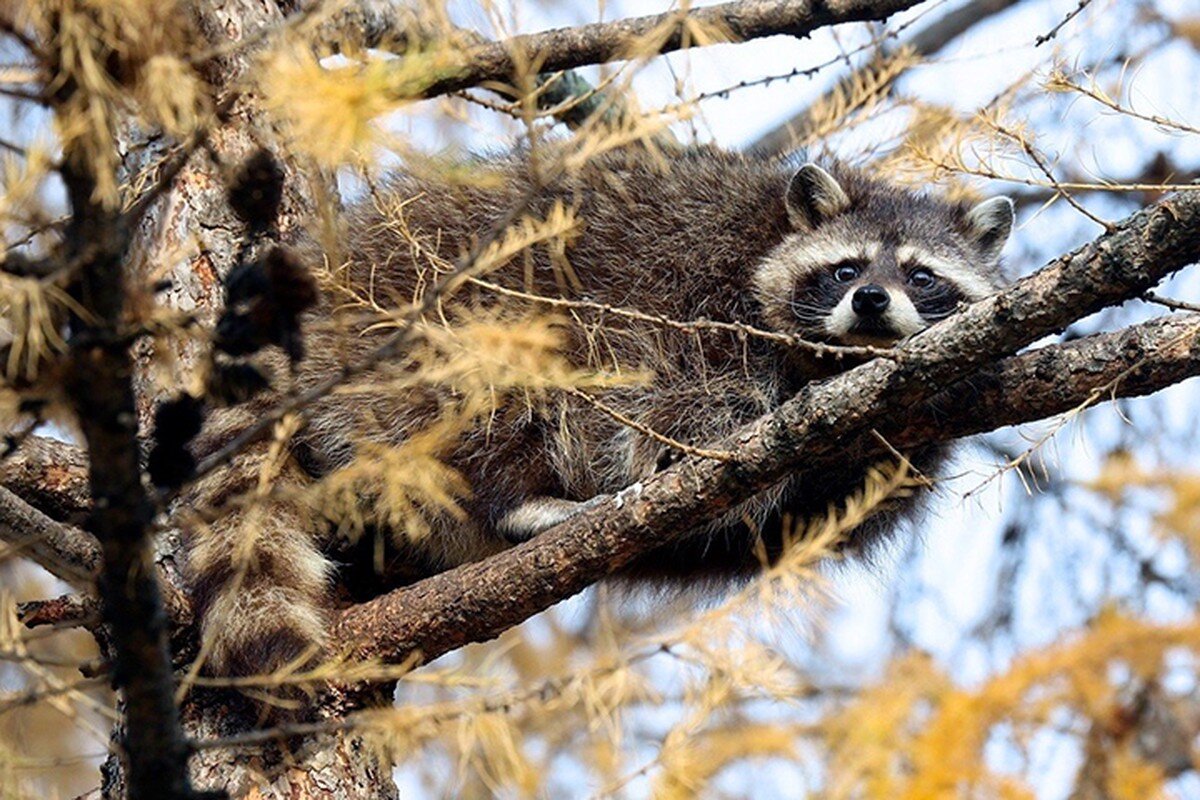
(541, 514)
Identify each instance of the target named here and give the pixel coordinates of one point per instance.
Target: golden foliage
(487, 356)
(1179, 518)
(31, 319)
(1131, 778)
(716, 685)
(48, 715)
(483, 361)
(864, 90)
(400, 487)
(1188, 29)
(23, 176)
(690, 763)
(331, 113)
(1079, 676)
(170, 94)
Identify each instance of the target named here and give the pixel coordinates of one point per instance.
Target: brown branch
(602, 42)
(1072, 14)
(1169, 302)
(69, 610)
(1159, 171)
(1133, 362)
(64, 551)
(925, 42)
(478, 601)
(565, 95)
(50, 475)
(954, 23)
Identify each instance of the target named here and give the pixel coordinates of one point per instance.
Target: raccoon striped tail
(259, 579)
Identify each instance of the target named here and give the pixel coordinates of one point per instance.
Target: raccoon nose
(870, 300)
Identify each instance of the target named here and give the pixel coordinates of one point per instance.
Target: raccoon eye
(921, 278)
(844, 273)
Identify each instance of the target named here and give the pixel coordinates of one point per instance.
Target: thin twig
(1044, 168)
(1104, 100)
(1050, 34)
(692, 326)
(34, 696)
(629, 422)
(1171, 303)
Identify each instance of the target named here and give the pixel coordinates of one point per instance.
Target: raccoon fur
(830, 255)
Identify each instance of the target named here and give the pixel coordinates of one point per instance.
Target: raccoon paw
(540, 514)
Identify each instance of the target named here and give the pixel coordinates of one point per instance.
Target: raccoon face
(869, 263)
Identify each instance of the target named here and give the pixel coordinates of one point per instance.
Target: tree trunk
(194, 226)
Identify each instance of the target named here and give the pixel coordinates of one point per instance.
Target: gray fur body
(706, 235)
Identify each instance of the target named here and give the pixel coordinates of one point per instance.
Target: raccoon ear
(989, 224)
(813, 195)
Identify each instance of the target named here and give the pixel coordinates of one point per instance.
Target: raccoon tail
(259, 579)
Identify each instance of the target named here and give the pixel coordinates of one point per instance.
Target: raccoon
(827, 254)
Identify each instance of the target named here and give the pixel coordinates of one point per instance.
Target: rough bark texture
(100, 390)
(327, 766)
(66, 552)
(51, 475)
(1136, 361)
(477, 602)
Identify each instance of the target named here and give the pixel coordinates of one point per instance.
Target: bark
(476, 602)
(332, 766)
(66, 552)
(327, 766)
(100, 390)
(51, 475)
(1136, 361)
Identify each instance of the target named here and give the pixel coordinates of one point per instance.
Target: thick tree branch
(1136, 361)
(478, 601)
(66, 610)
(64, 551)
(1132, 362)
(602, 42)
(50, 475)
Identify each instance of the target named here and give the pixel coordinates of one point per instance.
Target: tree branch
(388, 26)
(602, 42)
(478, 601)
(99, 387)
(64, 551)
(925, 42)
(50, 475)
